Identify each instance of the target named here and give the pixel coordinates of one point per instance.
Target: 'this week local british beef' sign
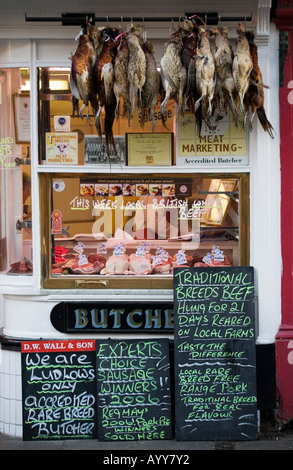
(73, 317)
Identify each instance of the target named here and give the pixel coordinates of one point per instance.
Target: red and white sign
(57, 346)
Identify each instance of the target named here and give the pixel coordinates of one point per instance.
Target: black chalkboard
(133, 380)
(58, 390)
(214, 351)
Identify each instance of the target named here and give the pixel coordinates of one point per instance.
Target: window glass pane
(15, 171)
(143, 226)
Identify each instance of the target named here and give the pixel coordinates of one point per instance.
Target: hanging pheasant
(242, 65)
(173, 72)
(82, 67)
(151, 88)
(103, 86)
(121, 82)
(254, 97)
(136, 67)
(225, 86)
(205, 74)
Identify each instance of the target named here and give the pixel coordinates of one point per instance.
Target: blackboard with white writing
(214, 351)
(134, 396)
(58, 389)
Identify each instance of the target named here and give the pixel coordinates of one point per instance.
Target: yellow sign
(62, 148)
(219, 144)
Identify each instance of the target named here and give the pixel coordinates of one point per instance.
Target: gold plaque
(148, 149)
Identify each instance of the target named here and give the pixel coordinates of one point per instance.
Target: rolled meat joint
(140, 262)
(118, 263)
(220, 262)
(161, 262)
(216, 258)
(181, 259)
(163, 268)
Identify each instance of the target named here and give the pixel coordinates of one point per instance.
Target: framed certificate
(21, 105)
(148, 149)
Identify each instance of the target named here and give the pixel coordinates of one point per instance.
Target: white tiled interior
(10, 393)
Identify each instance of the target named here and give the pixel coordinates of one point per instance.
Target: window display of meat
(22, 266)
(77, 263)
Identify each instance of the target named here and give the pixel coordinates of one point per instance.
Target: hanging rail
(82, 19)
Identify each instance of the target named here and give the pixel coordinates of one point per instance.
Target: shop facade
(90, 236)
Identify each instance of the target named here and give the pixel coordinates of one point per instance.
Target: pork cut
(140, 265)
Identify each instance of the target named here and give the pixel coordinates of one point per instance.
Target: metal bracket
(228, 193)
(82, 19)
(22, 161)
(83, 283)
(26, 224)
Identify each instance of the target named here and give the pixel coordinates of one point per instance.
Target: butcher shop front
(125, 159)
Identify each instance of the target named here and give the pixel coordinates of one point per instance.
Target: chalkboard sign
(58, 388)
(133, 379)
(214, 350)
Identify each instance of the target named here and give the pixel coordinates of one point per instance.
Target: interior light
(26, 85)
(58, 85)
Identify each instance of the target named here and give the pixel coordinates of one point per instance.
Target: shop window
(15, 172)
(127, 230)
(61, 117)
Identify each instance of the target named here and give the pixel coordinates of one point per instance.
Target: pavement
(154, 451)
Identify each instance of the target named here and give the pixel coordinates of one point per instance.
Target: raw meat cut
(116, 264)
(164, 267)
(96, 257)
(180, 259)
(224, 262)
(140, 265)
